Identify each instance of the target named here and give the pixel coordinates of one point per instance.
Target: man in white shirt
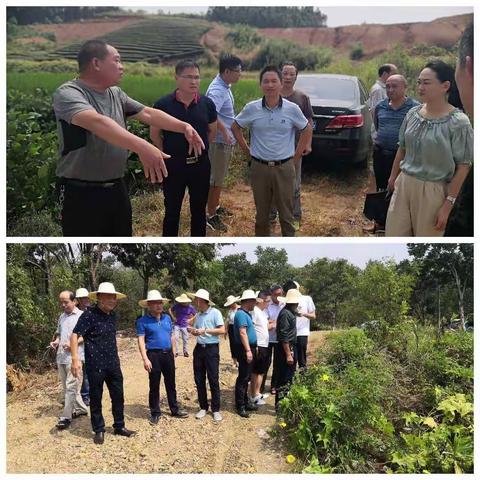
(74, 405)
(260, 366)
(273, 309)
(305, 313)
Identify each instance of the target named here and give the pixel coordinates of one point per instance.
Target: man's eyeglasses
(190, 77)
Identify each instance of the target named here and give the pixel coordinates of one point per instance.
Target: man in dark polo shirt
(186, 170)
(287, 342)
(91, 113)
(289, 77)
(98, 327)
(273, 122)
(246, 345)
(155, 342)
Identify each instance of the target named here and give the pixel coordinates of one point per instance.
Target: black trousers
(95, 211)
(302, 343)
(113, 378)
(382, 166)
(231, 342)
(196, 178)
(162, 363)
(285, 371)
(272, 354)
(244, 374)
(206, 361)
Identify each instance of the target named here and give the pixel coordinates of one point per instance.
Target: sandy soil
(235, 445)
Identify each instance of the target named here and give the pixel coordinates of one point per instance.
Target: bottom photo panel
(239, 358)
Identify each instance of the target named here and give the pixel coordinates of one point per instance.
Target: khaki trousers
(71, 388)
(414, 207)
(273, 185)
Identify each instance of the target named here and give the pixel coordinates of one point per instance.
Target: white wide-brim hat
(81, 293)
(203, 294)
(183, 298)
(293, 296)
(106, 287)
(297, 284)
(250, 295)
(231, 299)
(152, 296)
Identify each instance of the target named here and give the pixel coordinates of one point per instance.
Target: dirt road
(235, 445)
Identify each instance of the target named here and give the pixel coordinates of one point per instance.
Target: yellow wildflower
(282, 424)
(325, 377)
(290, 459)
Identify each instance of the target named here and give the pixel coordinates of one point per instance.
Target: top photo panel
(239, 121)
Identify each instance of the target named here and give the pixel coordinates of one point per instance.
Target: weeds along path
(235, 445)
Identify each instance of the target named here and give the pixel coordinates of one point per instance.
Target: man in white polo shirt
(273, 122)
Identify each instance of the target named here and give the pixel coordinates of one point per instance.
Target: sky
(299, 254)
(338, 16)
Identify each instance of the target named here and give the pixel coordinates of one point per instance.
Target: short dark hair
(270, 68)
(385, 68)
(465, 47)
(264, 294)
(229, 62)
(184, 64)
(275, 287)
(289, 284)
(287, 63)
(89, 50)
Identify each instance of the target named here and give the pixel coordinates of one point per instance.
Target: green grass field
(144, 89)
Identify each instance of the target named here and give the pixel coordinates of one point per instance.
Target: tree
(331, 284)
(271, 267)
(449, 264)
(238, 274)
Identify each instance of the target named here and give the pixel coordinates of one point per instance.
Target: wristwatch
(451, 199)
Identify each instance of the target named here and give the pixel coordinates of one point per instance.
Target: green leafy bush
(356, 53)
(440, 443)
(244, 37)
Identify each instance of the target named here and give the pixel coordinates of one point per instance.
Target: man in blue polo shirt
(207, 326)
(220, 151)
(185, 168)
(273, 122)
(155, 333)
(246, 343)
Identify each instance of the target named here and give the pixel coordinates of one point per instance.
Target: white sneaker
(257, 400)
(265, 395)
(217, 417)
(201, 414)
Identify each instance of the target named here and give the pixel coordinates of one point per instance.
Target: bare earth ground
(235, 445)
(332, 205)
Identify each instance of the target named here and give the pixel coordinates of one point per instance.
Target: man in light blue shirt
(207, 326)
(220, 151)
(273, 122)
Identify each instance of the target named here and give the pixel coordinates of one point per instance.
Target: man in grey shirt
(74, 404)
(91, 114)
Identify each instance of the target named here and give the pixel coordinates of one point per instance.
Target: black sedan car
(341, 119)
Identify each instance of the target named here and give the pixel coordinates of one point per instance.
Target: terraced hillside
(155, 40)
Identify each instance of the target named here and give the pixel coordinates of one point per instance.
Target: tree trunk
(460, 292)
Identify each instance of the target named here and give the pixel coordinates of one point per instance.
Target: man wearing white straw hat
(182, 312)
(207, 327)
(246, 341)
(232, 304)
(287, 342)
(155, 342)
(98, 327)
(83, 303)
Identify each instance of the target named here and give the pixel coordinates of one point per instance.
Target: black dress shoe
(124, 432)
(154, 419)
(251, 407)
(63, 423)
(180, 414)
(99, 438)
(243, 413)
(79, 414)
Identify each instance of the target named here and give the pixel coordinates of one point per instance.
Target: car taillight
(346, 121)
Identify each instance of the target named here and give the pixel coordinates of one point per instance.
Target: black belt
(161, 350)
(206, 345)
(88, 184)
(271, 163)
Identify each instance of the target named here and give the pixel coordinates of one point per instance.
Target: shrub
(440, 443)
(244, 37)
(356, 53)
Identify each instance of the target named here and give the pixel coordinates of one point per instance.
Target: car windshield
(330, 88)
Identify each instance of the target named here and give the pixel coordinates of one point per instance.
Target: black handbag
(376, 206)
